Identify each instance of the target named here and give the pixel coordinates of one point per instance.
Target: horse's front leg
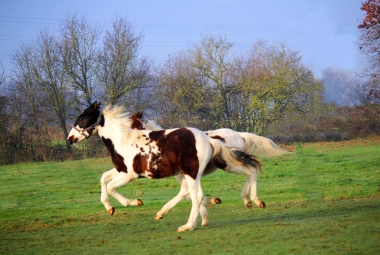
(120, 180)
(106, 178)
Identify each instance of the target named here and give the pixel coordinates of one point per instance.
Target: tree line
(208, 86)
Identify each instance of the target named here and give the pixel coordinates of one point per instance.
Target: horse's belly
(210, 168)
(162, 172)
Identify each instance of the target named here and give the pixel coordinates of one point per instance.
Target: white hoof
(158, 217)
(204, 221)
(111, 211)
(217, 201)
(185, 228)
(259, 203)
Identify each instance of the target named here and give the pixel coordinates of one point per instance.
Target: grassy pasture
(324, 199)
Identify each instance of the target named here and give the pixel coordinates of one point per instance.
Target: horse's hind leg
(196, 195)
(253, 188)
(208, 200)
(183, 192)
(211, 200)
(204, 214)
(230, 168)
(249, 192)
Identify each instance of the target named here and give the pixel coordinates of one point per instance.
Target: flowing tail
(248, 160)
(259, 145)
(232, 157)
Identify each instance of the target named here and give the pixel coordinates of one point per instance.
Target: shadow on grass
(323, 210)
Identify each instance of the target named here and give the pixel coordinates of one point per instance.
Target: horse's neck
(152, 125)
(114, 131)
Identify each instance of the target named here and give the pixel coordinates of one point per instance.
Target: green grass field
(324, 199)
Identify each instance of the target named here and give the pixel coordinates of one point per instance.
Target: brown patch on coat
(140, 163)
(117, 159)
(218, 138)
(155, 135)
(177, 152)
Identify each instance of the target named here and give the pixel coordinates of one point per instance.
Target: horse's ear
(94, 106)
(139, 114)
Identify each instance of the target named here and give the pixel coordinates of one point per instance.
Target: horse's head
(86, 124)
(141, 123)
(137, 121)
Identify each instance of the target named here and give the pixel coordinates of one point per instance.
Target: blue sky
(323, 31)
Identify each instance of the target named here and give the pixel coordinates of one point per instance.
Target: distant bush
(334, 136)
(339, 124)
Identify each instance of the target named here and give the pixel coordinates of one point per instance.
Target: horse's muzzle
(72, 139)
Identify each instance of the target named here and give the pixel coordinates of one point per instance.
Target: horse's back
(228, 136)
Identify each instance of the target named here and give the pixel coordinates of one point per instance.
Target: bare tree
(50, 75)
(2, 75)
(182, 97)
(120, 69)
(275, 79)
(245, 93)
(41, 78)
(25, 84)
(193, 85)
(212, 58)
(80, 54)
(141, 96)
(13, 124)
(5, 143)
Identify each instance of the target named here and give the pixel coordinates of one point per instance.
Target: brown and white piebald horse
(244, 141)
(152, 154)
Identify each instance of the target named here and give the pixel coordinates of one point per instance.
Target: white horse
(247, 142)
(151, 154)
